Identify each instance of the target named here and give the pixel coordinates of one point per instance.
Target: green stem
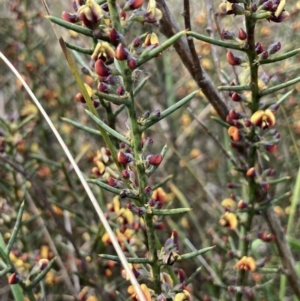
(252, 187)
(137, 151)
(79, 49)
(280, 57)
(234, 88)
(170, 110)
(213, 41)
(281, 86)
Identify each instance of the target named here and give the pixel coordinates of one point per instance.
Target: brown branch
(168, 27)
(284, 250)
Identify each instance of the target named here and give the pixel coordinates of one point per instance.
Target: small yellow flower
(151, 40)
(145, 291)
(229, 204)
(246, 263)
(104, 52)
(154, 13)
(263, 119)
(229, 220)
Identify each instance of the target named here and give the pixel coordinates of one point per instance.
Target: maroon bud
(251, 173)
(120, 90)
(233, 60)
(254, 8)
(136, 42)
(236, 97)
(125, 174)
(121, 53)
(242, 34)
(132, 63)
(269, 172)
(124, 158)
(114, 182)
(273, 48)
(234, 115)
(159, 226)
(154, 115)
(72, 18)
(79, 97)
(101, 69)
(105, 7)
(133, 4)
(265, 185)
(267, 5)
(154, 159)
(258, 48)
(181, 275)
(14, 278)
(148, 190)
(227, 35)
(247, 123)
(114, 36)
(102, 87)
(232, 185)
(96, 103)
(271, 148)
(242, 204)
(265, 55)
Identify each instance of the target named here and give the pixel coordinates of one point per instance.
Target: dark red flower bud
(102, 87)
(271, 148)
(120, 90)
(133, 4)
(124, 158)
(265, 185)
(105, 7)
(251, 173)
(267, 5)
(181, 275)
(114, 36)
(242, 204)
(14, 278)
(233, 60)
(258, 48)
(114, 182)
(265, 55)
(234, 115)
(101, 69)
(72, 18)
(236, 97)
(254, 8)
(79, 97)
(125, 174)
(121, 53)
(96, 103)
(136, 42)
(154, 159)
(273, 48)
(132, 63)
(242, 34)
(227, 35)
(232, 185)
(247, 123)
(148, 190)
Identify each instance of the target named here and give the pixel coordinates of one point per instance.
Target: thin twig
(209, 133)
(169, 27)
